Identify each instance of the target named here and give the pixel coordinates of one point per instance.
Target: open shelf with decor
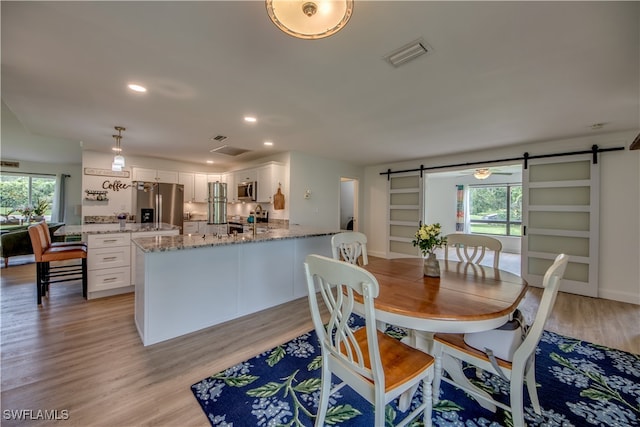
(96, 195)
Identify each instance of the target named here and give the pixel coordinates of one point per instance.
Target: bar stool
(47, 235)
(45, 253)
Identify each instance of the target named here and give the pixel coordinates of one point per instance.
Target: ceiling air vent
(219, 138)
(229, 151)
(408, 52)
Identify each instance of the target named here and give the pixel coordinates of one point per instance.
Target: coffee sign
(116, 185)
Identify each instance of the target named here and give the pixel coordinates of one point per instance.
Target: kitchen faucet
(255, 217)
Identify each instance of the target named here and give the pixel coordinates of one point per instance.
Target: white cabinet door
(248, 175)
(167, 176)
(214, 177)
(187, 179)
(232, 192)
(154, 175)
(269, 177)
(140, 174)
(200, 188)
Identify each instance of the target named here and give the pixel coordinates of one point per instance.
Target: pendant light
(310, 19)
(118, 159)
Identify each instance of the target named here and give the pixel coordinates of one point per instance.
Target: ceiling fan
(484, 173)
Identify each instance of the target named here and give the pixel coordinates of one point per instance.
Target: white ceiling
(500, 73)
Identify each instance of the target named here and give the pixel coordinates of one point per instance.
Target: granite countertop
(181, 242)
(130, 227)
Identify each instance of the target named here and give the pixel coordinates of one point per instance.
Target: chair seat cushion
(59, 253)
(457, 341)
(68, 244)
(400, 362)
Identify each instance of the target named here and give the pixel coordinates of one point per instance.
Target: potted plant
(39, 209)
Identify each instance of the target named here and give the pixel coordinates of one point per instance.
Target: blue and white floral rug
(579, 384)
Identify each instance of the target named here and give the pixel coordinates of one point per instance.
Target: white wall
(73, 214)
(322, 178)
(619, 269)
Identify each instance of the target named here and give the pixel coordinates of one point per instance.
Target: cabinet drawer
(100, 280)
(109, 240)
(108, 257)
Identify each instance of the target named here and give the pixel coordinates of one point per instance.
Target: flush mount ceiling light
(137, 88)
(118, 159)
(310, 20)
(482, 173)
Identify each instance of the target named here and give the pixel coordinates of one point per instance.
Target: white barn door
(560, 215)
(405, 213)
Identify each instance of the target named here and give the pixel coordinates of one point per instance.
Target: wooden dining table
(465, 298)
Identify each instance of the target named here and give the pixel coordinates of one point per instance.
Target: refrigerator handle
(159, 216)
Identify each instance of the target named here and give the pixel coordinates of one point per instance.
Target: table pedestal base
(423, 341)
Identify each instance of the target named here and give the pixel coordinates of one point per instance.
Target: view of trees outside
(496, 209)
(26, 196)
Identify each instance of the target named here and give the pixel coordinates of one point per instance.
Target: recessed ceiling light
(210, 162)
(269, 143)
(137, 88)
(250, 119)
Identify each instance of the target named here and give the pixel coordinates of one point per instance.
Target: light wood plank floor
(86, 356)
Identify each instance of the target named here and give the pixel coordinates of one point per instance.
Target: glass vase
(431, 266)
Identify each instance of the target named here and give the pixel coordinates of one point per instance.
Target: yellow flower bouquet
(428, 238)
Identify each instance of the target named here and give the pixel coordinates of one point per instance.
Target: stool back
(39, 238)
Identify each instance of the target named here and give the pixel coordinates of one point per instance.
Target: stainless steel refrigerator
(158, 202)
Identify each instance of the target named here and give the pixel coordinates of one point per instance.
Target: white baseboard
(633, 298)
(377, 254)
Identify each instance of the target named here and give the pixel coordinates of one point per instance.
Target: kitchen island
(189, 282)
(110, 255)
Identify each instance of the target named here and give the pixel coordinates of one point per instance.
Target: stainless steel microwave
(248, 191)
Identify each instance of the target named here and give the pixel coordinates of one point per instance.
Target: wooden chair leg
(84, 278)
(46, 278)
(39, 282)
(6, 262)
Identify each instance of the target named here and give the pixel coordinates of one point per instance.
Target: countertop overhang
(182, 242)
(130, 227)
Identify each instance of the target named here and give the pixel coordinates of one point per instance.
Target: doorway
(348, 204)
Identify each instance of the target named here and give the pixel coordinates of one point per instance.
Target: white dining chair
(349, 246)
(473, 247)
(375, 365)
(523, 366)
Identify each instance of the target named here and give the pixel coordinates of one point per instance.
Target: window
(26, 196)
(496, 209)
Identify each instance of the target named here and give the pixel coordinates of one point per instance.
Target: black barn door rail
(526, 157)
